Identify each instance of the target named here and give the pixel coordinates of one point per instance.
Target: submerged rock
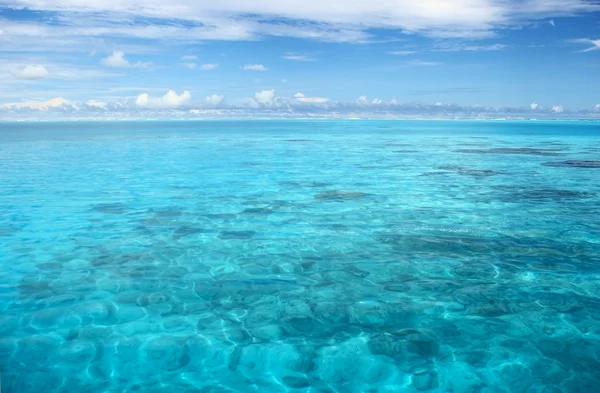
(220, 216)
(310, 184)
(435, 173)
(340, 195)
(234, 358)
(77, 352)
(546, 194)
(258, 211)
(239, 235)
(169, 212)
(477, 172)
(574, 164)
(419, 342)
(166, 352)
(506, 150)
(424, 380)
(411, 344)
(186, 231)
(468, 172)
(110, 208)
(296, 382)
(8, 230)
(386, 344)
(34, 287)
(330, 313)
(342, 364)
(368, 313)
(211, 290)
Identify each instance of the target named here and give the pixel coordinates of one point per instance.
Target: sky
(299, 58)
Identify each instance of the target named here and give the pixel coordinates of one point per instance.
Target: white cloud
(31, 72)
(208, 67)
(298, 57)
(264, 96)
(557, 108)
(254, 67)
(189, 57)
(423, 63)
(310, 100)
(592, 44)
(191, 66)
(214, 99)
(315, 19)
(314, 100)
(402, 52)
(169, 100)
(117, 60)
(96, 104)
(39, 105)
(533, 106)
(454, 47)
(266, 103)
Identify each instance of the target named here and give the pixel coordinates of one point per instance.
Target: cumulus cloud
(191, 66)
(254, 67)
(533, 106)
(117, 60)
(265, 96)
(362, 100)
(31, 73)
(208, 67)
(96, 104)
(310, 100)
(214, 99)
(189, 57)
(267, 103)
(53, 103)
(169, 100)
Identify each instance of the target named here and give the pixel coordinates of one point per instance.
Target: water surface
(300, 256)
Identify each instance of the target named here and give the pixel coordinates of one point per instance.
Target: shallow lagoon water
(300, 256)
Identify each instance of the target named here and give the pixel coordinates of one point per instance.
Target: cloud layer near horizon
(268, 103)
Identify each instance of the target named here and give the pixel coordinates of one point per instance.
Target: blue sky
(393, 58)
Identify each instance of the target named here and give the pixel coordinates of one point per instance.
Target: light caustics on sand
(300, 257)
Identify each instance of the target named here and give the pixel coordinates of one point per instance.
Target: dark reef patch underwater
(299, 256)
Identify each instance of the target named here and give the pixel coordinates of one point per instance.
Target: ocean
(312, 256)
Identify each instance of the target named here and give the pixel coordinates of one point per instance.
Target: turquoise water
(300, 256)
